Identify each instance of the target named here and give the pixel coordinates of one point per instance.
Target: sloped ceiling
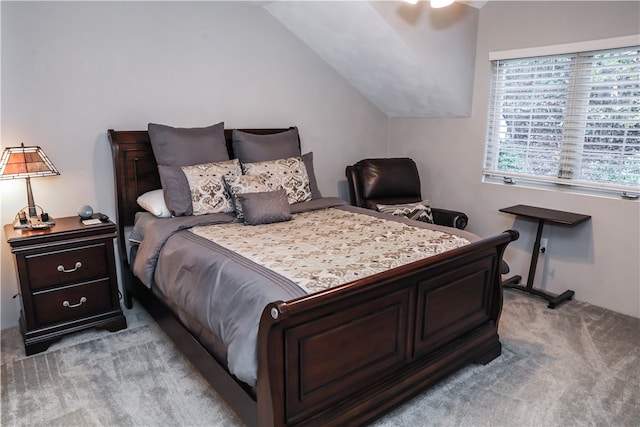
(408, 60)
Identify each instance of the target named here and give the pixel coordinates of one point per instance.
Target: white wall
(71, 70)
(600, 259)
(448, 81)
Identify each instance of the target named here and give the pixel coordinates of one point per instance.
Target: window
(570, 118)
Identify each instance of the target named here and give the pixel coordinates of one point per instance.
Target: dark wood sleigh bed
(405, 329)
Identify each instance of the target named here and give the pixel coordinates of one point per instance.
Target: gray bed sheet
(221, 290)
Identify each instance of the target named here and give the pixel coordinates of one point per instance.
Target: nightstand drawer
(72, 302)
(67, 266)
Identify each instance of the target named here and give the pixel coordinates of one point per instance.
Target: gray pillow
(188, 146)
(313, 184)
(265, 207)
(252, 148)
(175, 187)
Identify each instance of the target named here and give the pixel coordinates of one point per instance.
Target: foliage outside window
(570, 119)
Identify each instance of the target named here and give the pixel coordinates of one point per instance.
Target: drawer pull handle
(77, 266)
(68, 304)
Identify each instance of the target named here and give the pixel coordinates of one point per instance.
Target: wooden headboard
(136, 171)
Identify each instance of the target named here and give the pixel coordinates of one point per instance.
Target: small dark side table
(542, 215)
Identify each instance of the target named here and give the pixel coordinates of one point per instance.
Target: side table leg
(534, 255)
(565, 296)
(513, 282)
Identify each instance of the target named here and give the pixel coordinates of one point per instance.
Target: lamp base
(37, 222)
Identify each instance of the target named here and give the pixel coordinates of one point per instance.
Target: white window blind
(568, 118)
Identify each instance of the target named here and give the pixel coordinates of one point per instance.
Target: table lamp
(28, 162)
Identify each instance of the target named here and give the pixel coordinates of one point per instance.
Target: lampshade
(25, 162)
(440, 3)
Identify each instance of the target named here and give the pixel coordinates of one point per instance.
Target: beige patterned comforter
(324, 248)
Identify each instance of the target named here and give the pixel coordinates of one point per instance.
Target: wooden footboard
(353, 353)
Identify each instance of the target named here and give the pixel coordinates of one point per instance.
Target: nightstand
(68, 281)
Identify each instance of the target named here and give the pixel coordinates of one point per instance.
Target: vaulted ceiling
(408, 60)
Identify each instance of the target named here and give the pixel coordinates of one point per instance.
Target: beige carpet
(573, 366)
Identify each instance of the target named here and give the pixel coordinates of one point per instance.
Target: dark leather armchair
(392, 181)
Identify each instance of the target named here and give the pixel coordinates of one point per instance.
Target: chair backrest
(386, 181)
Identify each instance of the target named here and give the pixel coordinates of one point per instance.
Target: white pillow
(153, 202)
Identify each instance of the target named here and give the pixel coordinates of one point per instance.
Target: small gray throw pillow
(265, 207)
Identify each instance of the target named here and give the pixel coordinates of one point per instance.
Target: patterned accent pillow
(420, 211)
(206, 183)
(243, 184)
(290, 174)
(265, 208)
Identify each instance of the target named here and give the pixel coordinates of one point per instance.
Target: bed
(405, 328)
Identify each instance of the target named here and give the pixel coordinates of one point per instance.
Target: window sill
(561, 188)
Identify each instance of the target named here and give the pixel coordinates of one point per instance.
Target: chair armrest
(449, 218)
(354, 187)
